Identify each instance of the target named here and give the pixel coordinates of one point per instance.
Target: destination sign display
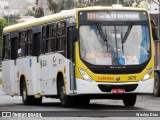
(112, 15)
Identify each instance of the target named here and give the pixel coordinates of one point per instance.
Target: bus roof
(58, 16)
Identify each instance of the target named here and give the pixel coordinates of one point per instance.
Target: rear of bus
(114, 55)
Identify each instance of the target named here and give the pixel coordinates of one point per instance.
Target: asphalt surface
(147, 106)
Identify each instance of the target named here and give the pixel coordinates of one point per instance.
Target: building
(3, 4)
(18, 4)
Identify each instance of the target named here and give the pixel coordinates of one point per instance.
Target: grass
(0, 81)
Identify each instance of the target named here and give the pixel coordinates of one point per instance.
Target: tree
(30, 13)
(57, 6)
(12, 19)
(53, 6)
(102, 2)
(3, 24)
(129, 3)
(38, 10)
(157, 2)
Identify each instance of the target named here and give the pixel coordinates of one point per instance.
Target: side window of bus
(48, 38)
(61, 37)
(54, 36)
(36, 43)
(29, 42)
(6, 47)
(14, 46)
(43, 46)
(22, 42)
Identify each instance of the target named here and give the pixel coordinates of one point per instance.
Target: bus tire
(27, 100)
(156, 89)
(66, 101)
(129, 99)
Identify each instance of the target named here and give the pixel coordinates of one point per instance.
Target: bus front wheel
(129, 99)
(66, 101)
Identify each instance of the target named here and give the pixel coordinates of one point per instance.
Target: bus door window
(70, 43)
(7, 49)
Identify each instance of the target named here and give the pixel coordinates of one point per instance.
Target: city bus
(80, 54)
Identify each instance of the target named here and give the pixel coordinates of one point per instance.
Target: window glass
(54, 28)
(28, 45)
(61, 44)
(43, 32)
(7, 47)
(49, 31)
(115, 44)
(61, 28)
(48, 46)
(22, 47)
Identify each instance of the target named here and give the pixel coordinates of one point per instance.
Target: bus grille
(108, 88)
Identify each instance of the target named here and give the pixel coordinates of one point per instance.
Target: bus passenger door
(8, 65)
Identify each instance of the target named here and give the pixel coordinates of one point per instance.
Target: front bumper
(85, 87)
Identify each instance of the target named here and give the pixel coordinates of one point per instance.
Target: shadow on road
(93, 106)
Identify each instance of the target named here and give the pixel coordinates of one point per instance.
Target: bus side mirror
(154, 30)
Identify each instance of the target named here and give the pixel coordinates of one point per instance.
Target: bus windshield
(115, 44)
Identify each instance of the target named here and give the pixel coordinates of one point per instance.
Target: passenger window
(54, 30)
(7, 47)
(61, 28)
(22, 42)
(49, 31)
(61, 37)
(29, 42)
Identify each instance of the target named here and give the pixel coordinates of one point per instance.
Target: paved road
(98, 108)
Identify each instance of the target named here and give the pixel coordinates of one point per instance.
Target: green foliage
(39, 12)
(69, 4)
(129, 3)
(3, 24)
(104, 2)
(30, 13)
(12, 19)
(57, 6)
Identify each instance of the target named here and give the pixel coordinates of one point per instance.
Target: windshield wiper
(104, 37)
(101, 32)
(127, 33)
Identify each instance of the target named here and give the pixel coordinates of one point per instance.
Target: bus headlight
(85, 75)
(147, 75)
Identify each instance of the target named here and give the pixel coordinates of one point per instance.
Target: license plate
(118, 90)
